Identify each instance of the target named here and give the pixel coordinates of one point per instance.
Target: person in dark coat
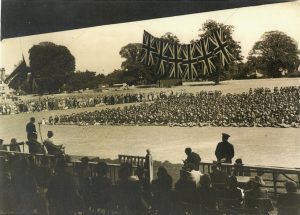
(161, 188)
(289, 203)
(130, 193)
(192, 158)
(225, 150)
(62, 194)
(101, 188)
(35, 147)
(30, 128)
(185, 192)
(207, 196)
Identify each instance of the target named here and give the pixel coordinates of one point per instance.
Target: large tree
(234, 47)
(274, 53)
(170, 37)
(133, 71)
(51, 65)
(83, 80)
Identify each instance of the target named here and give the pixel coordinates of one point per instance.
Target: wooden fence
(274, 177)
(74, 161)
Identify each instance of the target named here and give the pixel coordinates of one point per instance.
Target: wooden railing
(140, 161)
(74, 161)
(274, 177)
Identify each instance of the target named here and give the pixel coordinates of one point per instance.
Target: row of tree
(52, 67)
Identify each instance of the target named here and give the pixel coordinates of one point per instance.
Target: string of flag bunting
(186, 61)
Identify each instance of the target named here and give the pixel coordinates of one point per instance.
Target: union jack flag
(149, 49)
(206, 62)
(220, 43)
(185, 61)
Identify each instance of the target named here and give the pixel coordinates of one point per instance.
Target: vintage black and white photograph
(189, 114)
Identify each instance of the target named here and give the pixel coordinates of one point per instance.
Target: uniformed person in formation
(224, 151)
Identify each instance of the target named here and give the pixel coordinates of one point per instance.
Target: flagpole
(40, 132)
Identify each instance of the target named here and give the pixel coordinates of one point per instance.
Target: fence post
(150, 167)
(275, 176)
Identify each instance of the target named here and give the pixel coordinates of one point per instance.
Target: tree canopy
(51, 65)
(234, 46)
(274, 53)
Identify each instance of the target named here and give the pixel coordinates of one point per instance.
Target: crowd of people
(72, 102)
(56, 187)
(259, 107)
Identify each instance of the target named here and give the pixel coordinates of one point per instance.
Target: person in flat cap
(51, 147)
(225, 150)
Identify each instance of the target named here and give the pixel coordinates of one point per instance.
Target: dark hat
(50, 133)
(291, 187)
(225, 135)
(85, 160)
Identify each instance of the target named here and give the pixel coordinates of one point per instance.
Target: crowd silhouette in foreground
(259, 107)
(57, 186)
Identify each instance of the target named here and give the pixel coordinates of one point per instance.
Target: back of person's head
(102, 168)
(50, 134)
(232, 182)
(205, 181)
(188, 150)
(125, 171)
(32, 119)
(161, 172)
(85, 160)
(44, 161)
(13, 140)
(139, 171)
(60, 165)
(291, 187)
(184, 174)
(238, 161)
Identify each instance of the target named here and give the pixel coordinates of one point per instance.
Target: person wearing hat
(289, 203)
(225, 150)
(51, 147)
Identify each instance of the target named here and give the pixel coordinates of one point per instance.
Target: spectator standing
(30, 128)
(225, 150)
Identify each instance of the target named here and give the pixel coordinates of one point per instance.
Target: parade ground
(255, 145)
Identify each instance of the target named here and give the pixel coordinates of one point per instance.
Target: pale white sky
(97, 48)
